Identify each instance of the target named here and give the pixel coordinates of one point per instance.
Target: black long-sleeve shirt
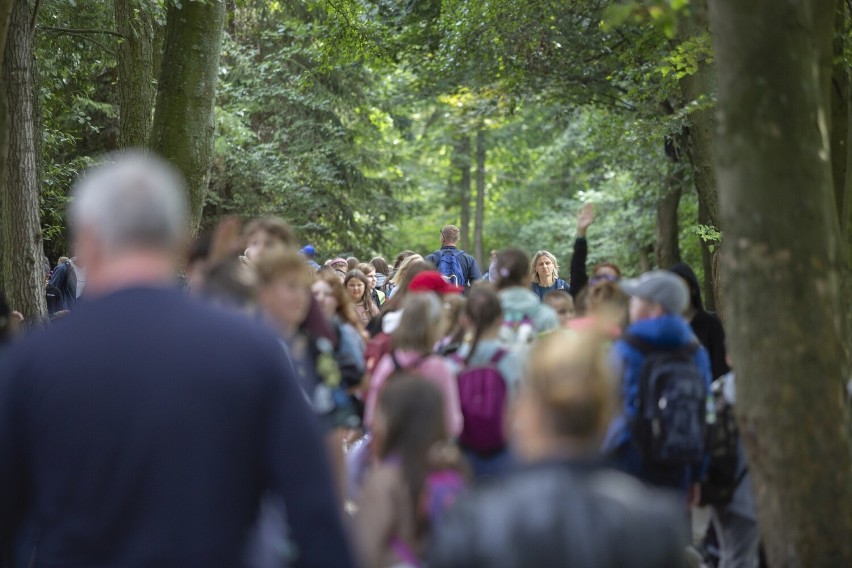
(579, 277)
(145, 428)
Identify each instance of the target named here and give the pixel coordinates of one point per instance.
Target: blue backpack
(450, 267)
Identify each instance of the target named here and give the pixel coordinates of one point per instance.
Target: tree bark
(667, 248)
(839, 97)
(479, 221)
(19, 200)
(183, 120)
(5, 15)
(461, 167)
(709, 283)
(782, 257)
(698, 138)
(135, 72)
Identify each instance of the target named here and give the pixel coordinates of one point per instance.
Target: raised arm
(579, 276)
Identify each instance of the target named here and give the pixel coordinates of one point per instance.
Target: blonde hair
(538, 255)
(279, 262)
(396, 280)
(568, 374)
(420, 323)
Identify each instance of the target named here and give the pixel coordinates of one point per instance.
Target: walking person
(458, 267)
(158, 423)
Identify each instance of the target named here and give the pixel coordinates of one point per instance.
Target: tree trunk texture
(479, 221)
(19, 200)
(183, 120)
(667, 247)
(709, 288)
(782, 258)
(461, 168)
(5, 15)
(698, 139)
(135, 72)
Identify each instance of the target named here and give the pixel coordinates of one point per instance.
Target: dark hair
(688, 275)
(381, 265)
(200, 248)
(413, 409)
(352, 263)
(231, 282)
(366, 300)
(5, 320)
(345, 307)
(483, 310)
(512, 268)
(606, 265)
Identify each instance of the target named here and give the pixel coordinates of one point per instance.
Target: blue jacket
(541, 291)
(666, 332)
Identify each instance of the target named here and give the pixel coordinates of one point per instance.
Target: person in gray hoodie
(525, 316)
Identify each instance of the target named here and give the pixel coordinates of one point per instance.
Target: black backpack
(723, 476)
(670, 426)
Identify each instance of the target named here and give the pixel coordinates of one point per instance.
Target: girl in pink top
(413, 341)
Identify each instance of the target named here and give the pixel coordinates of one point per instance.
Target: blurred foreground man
(146, 428)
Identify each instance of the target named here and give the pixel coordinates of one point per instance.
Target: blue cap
(309, 250)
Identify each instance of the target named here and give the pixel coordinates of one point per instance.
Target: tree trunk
(479, 222)
(5, 14)
(183, 120)
(782, 256)
(709, 291)
(701, 86)
(667, 247)
(839, 97)
(135, 72)
(461, 167)
(19, 200)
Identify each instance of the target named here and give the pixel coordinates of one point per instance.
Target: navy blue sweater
(143, 430)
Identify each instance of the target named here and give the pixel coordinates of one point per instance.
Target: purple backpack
(482, 397)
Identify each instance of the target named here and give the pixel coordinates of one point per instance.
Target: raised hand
(585, 219)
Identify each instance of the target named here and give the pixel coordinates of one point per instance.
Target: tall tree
(134, 20)
(461, 176)
(479, 214)
(668, 232)
(5, 14)
(23, 259)
(783, 297)
(183, 120)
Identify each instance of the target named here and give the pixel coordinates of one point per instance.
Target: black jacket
(560, 514)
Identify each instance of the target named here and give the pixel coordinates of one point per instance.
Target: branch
(74, 31)
(93, 40)
(35, 16)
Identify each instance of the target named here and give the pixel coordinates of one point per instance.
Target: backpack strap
(645, 347)
(498, 356)
(398, 366)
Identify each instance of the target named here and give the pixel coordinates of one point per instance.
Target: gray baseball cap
(660, 287)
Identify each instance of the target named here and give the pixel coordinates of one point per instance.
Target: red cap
(433, 281)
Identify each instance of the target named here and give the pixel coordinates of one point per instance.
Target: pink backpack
(482, 397)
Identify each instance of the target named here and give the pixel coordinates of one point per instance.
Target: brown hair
(406, 275)
(450, 234)
(602, 296)
(366, 301)
(352, 263)
(512, 268)
(606, 265)
(569, 376)
(345, 308)
(381, 265)
(402, 256)
(275, 227)
(280, 262)
(483, 309)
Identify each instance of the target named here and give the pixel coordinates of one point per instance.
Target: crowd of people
(265, 409)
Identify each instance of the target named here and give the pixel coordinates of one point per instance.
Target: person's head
(544, 267)
(562, 303)
(409, 423)
(339, 264)
(309, 251)
(267, 233)
(381, 265)
(605, 271)
(688, 275)
(131, 212)
(61, 260)
(357, 286)
(604, 299)
(404, 267)
(370, 272)
(655, 294)
(420, 323)
(449, 235)
(512, 269)
(566, 400)
(352, 263)
(400, 257)
(451, 321)
(284, 288)
(197, 262)
(231, 283)
(8, 324)
(483, 314)
(333, 298)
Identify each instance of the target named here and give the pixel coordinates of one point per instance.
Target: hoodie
(518, 302)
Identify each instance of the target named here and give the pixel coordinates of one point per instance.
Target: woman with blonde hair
(563, 508)
(399, 274)
(544, 272)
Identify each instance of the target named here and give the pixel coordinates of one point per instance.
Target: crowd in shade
(248, 401)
